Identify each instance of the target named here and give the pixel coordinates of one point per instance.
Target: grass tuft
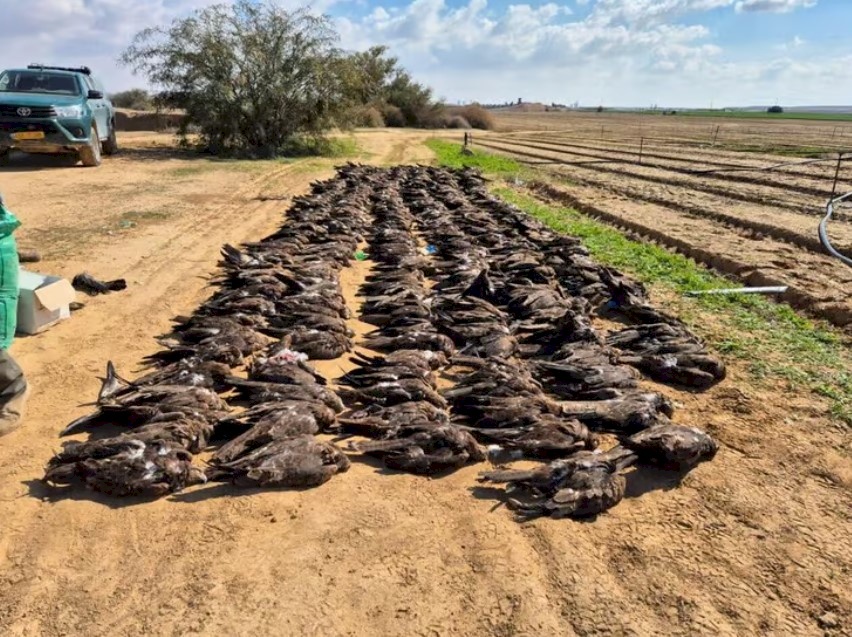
(449, 154)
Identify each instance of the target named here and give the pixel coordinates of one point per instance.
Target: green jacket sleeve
(8, 277)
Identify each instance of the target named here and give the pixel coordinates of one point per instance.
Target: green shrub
(136, 99)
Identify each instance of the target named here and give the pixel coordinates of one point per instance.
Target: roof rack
(85, 70)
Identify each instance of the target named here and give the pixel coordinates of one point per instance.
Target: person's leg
(13, 393)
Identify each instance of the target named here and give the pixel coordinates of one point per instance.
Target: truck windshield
(38, 82)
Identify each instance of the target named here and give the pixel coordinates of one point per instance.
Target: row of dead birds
(394, 396)
(510, 336)
(279, 303)
(509, 313)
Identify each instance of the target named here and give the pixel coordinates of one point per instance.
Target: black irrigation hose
(823, 233)
(765, 168)
(572, 163)
(688, 172)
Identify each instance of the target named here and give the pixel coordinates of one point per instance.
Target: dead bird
(582, 485)
(130, 467)
(230, 347)
(547, 438)
(407, 364)
(283, 365)
(668, 353)
(427, 451)
(625, 414)
(700, 371)
(672, 446)
(416, 339)
(302, 461)
(323, 415)
(144, 404)
(380, 422)
(190, 371)
(186, 431)
(275, 425)
(394, 391)
(572, 382)
(261, 392)
(317, 344)
(85, 282)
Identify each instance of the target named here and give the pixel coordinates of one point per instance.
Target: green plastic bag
(8, 277)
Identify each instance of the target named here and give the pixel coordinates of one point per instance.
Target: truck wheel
(111, 144)
(91, 155)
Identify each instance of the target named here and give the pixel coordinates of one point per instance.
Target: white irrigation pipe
(775, 289)
(823, 233)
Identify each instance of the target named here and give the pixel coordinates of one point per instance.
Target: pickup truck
(55, 110)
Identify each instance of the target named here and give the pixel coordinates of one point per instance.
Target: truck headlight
(69, 111)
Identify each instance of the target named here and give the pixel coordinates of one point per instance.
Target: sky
(670, 53)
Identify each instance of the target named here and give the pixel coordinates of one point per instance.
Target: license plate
(21, 137)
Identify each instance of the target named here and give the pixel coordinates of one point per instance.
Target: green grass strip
(449, 154)
(776, 341)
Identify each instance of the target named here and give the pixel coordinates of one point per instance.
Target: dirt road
(754, 543)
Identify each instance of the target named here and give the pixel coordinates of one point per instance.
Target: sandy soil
(755, 542)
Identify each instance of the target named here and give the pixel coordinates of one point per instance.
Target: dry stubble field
(755, 542)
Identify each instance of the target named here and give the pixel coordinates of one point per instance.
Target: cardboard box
(43, 300)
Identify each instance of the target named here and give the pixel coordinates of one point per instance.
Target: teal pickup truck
(55, 110)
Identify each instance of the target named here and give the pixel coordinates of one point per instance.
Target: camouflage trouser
(13, 393)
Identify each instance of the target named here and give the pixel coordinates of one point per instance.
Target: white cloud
(90, 32)
(648, 11)
(618, 51)
(773, 6)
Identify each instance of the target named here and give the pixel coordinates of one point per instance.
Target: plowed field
(664, 179)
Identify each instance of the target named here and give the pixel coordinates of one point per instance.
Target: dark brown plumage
(260, 392)
(85, 282)
(129, 467)
(547, 438)
(672, 446)
(582, 485)
(143, 404)
(285, 367)
(625, 414)
(427, 451)
(302, 461)
(274, 426)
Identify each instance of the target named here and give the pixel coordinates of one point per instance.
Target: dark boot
(13, 394)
